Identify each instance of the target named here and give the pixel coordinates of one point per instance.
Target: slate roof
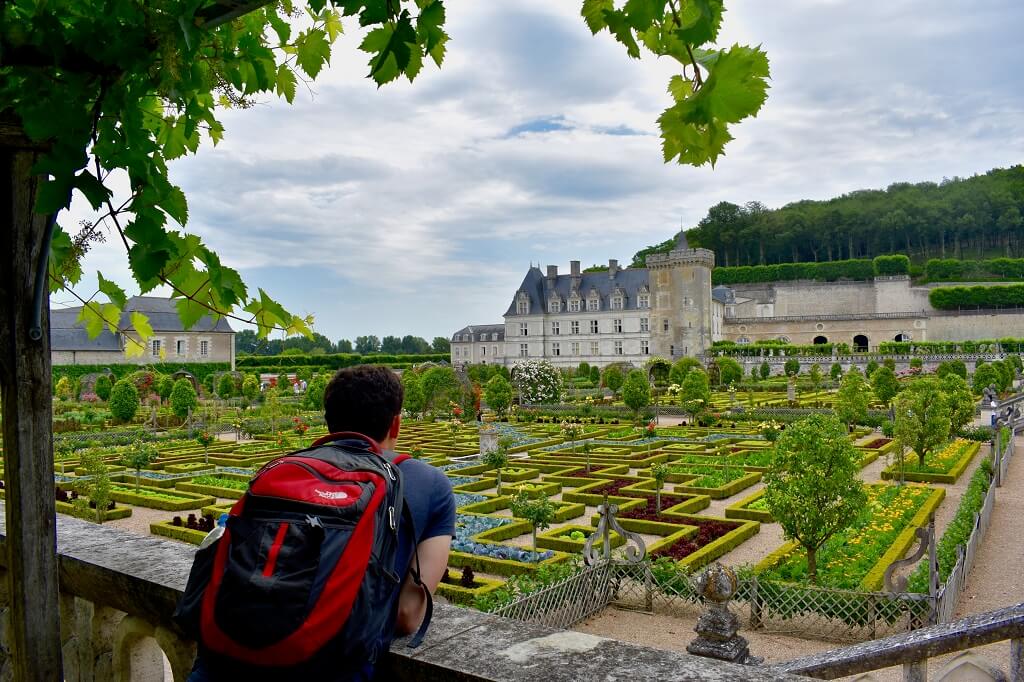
(630, 280)
(723, 294)
(68, 335)
(476, 330)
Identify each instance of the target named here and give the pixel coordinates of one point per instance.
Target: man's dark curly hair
(364, 399)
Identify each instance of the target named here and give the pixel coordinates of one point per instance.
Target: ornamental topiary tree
(984, 376)
(922, 418)
(695, 393)
(314, 396)
(947, 367)
(659, 472)
(225, 386)
(636, 392)
(94, 484)
(250, 388)
(765, 370)
(961, 402)
(538, 510)
(498, 394)
(835, 371)
(102, 387)
(815, 376)
(63, 389)
(792, 367)
(497, 459)
(138, 456)
(164, 385)
(284, 384)
(413, 400)
(612, 379)
(440, 387)
(183, 398)
(885, 385)
(124, 401)
(811, 486)
(853, 397)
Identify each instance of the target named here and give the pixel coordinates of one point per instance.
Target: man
(367, 399)
(362, 408)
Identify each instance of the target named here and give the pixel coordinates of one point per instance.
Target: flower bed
(571, 539)
(154, 498)
(857, 557)
(717, 482)
(752, 508)
(453, 589)
(943, 466)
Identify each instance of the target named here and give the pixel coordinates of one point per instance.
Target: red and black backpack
(303, 577)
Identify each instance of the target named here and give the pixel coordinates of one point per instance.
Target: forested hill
(974, 217)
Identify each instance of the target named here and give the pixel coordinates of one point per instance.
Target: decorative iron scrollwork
(635, 549)
(926, 534)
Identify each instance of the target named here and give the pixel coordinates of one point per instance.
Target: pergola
(25, 378)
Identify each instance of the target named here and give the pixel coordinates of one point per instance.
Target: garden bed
(156, 498)
(750, 508)
(943, 466)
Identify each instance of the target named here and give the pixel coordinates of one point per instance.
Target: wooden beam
(27, 428)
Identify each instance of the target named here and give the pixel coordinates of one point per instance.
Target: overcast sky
(417, 208)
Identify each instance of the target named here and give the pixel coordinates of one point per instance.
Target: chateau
(670, 309)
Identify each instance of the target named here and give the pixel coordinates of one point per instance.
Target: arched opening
(901, 337)
(860, 343)
(820, 340)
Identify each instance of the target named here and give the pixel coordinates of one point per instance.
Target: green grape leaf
(619, 26)
(312, 51)
(593, 13)
(641, 14)
(112, 290)
(737, 84)
(390, 45)
(64, 266)
(190, 312)
(701, 21)
(286, 82)
(332, 24)
(92, 188)
(174, 203)
(281, 27)
(53, 195)
(429, 32)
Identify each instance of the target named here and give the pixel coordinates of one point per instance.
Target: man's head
(366, 399)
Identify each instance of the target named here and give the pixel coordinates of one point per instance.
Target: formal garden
(826, 491)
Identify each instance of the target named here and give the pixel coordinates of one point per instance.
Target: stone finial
(717, 627)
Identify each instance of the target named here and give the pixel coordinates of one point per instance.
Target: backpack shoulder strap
(399, 458)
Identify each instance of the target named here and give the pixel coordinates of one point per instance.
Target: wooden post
(27, 412)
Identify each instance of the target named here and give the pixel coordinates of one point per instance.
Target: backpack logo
(331, 494)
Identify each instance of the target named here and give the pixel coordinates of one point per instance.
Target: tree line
(247, 342)
(974, 217)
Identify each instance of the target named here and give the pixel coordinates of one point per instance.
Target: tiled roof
(66, 334)
(535, 284)
(480, 332)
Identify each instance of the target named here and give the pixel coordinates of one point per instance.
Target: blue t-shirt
(428, 495)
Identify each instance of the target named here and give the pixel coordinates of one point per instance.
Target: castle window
(618, 326)
(555, 328)
(616, 303)
(593, 326)
(556, 349)
(524, 329)
(575, 347)
(643, 301)
(524, 350)
(574, 327)
(664, 325)
(522, 307)
(483, 350)
(574, 305)
(645, 324)
(645, 347)
(618, 347)
(595, 348)
(555, 307)
(179, 347)
(743, 340)
(155, 347)
(593, 304)
(204, 348)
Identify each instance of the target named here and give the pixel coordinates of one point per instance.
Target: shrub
(896, 264)
(765, 370)
(250, 387)
(315, 389)
(951, 298)
(836, 371)
(636, 392)
(225, 386)
(729, 371)
(792, 367)
(538, 382)
(948, 367)
(103, 387)
(183, 398)
(63, 388)
(164, 386)
(680, 368)
(124, 400)
(612, 378)
(498, 393)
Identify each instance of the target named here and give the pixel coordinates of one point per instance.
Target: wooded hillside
(975, 217)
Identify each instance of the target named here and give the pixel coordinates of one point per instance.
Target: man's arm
(412, 603)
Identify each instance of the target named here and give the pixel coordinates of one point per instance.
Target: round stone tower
(680, 284)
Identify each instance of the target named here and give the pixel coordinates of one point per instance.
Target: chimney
(574, 268)
(613, 268)
(552, 272)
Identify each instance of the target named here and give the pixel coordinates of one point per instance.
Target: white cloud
(410, 209)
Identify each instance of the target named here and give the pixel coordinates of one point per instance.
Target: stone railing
(120, 588)
(913, 649)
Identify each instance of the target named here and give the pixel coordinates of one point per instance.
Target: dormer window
(593, 304)
(554, 306)
(643, 301)
(574, 305)
(616, 302)
(522, 303)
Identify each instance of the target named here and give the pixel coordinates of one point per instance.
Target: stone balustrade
(119, 590)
